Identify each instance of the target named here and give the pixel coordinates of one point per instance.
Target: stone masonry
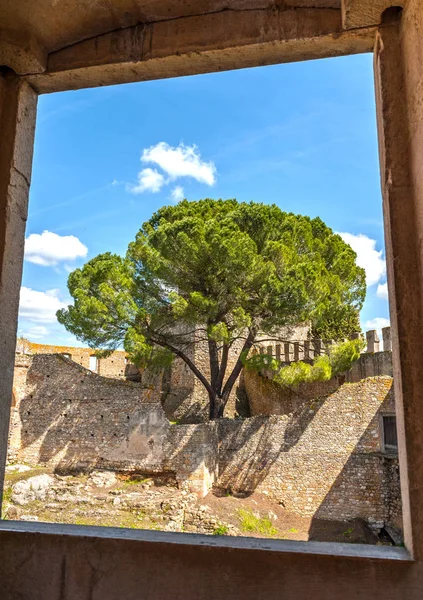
(319, 456)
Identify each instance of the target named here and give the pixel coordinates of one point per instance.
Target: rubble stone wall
(268, 398)
(67, 417)
(322, 457)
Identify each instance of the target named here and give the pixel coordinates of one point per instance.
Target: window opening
(389, 433)
(280, 404)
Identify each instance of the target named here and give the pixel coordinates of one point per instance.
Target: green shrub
(341, 358)
(250, 522)
(343, 355)
(260, 362)
(221, 530)
(294, 374)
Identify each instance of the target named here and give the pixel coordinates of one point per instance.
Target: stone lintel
(200, 44)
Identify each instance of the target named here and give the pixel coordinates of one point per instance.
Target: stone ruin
(316, 450)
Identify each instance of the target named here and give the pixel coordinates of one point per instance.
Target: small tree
(219, 272)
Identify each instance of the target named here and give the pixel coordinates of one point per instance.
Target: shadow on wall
(369, 482)
(323, 460)
(71, 416)
(186, 401)
(177, 395)
(249, 448)
(257, 444)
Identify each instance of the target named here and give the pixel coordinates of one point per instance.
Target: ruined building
(51, 46)
(325, 450)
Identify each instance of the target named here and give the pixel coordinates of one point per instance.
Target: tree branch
(238, 366)
(223, 366)
(214, 365)
(186, 360)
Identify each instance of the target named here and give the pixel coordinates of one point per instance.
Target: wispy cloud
(149, 180)
(39, 307)
(382, 291)
(75, 199)
(37, 332)
(177, 194)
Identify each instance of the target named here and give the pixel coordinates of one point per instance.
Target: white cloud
(180, 161)
(376, 323)
(39, 307)
(149, 180)
(37, 332)
(382, 291)
(367, 256)
(48, 249)
(177, 194)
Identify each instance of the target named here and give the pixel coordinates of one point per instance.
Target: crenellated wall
(268, 398)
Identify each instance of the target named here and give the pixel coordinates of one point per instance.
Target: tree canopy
(216, 271)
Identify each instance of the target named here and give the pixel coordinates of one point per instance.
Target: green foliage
(341, 358)
(221, 530)
(260, 362)
(250, 522)
(219, 267)
(294, 374)
(343, 355)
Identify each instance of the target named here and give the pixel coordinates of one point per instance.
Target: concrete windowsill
(332, 549)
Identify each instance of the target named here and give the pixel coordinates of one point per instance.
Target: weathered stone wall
(115, 366)
(192, 453)
(67, 417)
(267, 398)
(184, 397)
(321, 457)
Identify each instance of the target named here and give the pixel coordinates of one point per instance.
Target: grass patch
(12, 478)
(7, 494)
(7, 498)
(221, 530)
(250, 522)
(136, 479)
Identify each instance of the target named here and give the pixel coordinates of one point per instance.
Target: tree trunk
(216, 406)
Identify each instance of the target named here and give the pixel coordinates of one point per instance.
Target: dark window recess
(390, 440)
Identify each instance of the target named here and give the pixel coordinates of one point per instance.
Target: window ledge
(332, 549)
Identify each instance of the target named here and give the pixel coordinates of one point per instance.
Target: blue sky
(302, 136)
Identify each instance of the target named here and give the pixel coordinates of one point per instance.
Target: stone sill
(355, 551)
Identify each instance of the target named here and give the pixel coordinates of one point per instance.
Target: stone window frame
(232, 568)
(384, 448)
